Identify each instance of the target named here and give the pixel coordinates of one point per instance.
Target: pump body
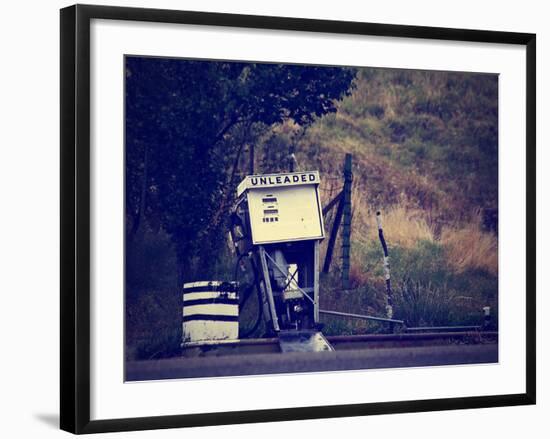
(278, 221)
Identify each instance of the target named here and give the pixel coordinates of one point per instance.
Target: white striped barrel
(210, 311)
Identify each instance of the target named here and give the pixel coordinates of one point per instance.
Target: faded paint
(210, 315)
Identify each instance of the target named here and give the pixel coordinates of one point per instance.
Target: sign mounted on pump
(275, 180)
(283, 207)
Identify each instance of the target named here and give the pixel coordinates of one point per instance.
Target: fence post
(333, 233)
(251, 160)
(346, 220)
(389, 294)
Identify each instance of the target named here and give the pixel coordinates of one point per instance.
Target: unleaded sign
(275, 180)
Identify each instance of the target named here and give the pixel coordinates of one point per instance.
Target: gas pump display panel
(284, 207)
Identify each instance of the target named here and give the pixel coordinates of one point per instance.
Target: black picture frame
(75, 217)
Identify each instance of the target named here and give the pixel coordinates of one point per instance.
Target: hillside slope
(426, 140)
(425, 153)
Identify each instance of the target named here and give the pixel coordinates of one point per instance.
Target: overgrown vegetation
(425, 153)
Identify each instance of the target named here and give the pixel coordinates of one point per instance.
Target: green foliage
(186, 125)
(153, 325)
(424, 305)
(427, 290)
(152, 299)
(181, 120)
(362, 298)
(150, 264)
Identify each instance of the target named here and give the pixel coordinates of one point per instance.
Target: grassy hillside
(426, 139)
(425, 152)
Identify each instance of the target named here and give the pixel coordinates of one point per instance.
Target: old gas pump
(278, 221)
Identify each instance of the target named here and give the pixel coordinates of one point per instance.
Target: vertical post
(389, 294)
(316, 282)
(291, 159)
(486, 317)
(346, 226)
(251, 159)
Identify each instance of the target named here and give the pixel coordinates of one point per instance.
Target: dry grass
(402, 227)
(466, 244)
(471, 248)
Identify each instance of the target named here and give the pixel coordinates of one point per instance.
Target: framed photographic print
(268, 218)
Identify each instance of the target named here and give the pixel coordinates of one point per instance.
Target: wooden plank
(332, 203)
(333, 234)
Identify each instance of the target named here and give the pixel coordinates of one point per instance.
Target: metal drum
(210, 311)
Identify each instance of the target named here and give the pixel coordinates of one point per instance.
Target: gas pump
(278, 221)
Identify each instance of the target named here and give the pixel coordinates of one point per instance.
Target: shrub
(153, 325)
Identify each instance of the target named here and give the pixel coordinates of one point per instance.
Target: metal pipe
(443, 328)
(360, 316)
(402, 336)
(282, 272)
(268, 291)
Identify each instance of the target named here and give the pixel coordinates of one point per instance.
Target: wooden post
(333, 234)
(332, 203)
(346, 227)
(251, 167)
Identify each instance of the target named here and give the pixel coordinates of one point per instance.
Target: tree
(182, 119)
